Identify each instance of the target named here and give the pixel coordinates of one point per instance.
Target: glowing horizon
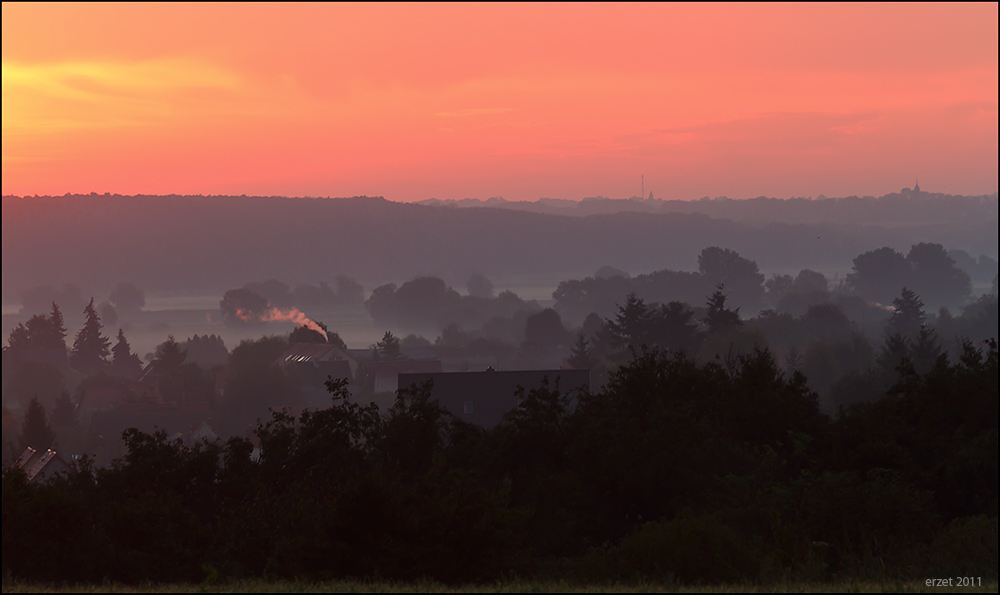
(521, 101)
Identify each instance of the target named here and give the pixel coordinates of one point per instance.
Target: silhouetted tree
(672, 327)
(895, 352)
(64, 414)
(740, 275)
(926, 350)
(388, 347)
(421, 302)
(479, 286)
(609, 272)
(124, 363)
(908, 315)
(777, 287)
(580, 357)
(35, 430)
(349, 291)
(241, 306)
(30, 379)
(937, 278)
(261, 352)
(631, 324)
(275, 292)
(315, 296)
(826, 322)
(169, 357)
(39, 333)
(90, 349)
(544, 329)
(109, 315)
(128, 298)
(577, 298)
(207, 351)
(879, 275)
(719, 318)
(57, 329)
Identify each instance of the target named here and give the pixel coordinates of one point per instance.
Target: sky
(523, 101)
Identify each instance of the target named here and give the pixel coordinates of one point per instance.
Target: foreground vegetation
(676, 472)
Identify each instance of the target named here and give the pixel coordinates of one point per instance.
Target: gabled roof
(318, 353)
(308, 352)
(38, 465)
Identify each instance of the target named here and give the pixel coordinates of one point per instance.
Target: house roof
(320, 353)
(37, 464)
(309, 352)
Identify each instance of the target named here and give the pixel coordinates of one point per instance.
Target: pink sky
(520, 101)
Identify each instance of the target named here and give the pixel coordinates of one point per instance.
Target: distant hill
(207, 244)
(902, 208)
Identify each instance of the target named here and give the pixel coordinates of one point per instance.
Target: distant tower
(916, 185)
(643, 193)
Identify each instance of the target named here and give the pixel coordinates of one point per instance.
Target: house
(320, 355)
(309, 365)
(41, 466)
(482, 398)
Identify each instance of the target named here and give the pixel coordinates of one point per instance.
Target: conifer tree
(36, 431)
(580, 357)
(57, 329)
(907, 317)
(720, 318)
(631, 324)
(124, 363)
(169, 357)
(64, 415)
(90, 349)
(926, 350)
(389, 348)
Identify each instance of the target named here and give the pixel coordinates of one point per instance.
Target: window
(468, 408)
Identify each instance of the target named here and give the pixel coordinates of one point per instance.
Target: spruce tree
(64, 415)
(389, 348)
(580, 357)
(90, 349)
(169, 357)
(720, 318)
(907, 316)
(57, 329)
(124, 363)
(631, 325)
(36, 431)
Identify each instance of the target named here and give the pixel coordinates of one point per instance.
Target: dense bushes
(700, 473)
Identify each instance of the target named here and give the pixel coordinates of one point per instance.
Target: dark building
(482, 398)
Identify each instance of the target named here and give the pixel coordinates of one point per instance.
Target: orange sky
(520, 101)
